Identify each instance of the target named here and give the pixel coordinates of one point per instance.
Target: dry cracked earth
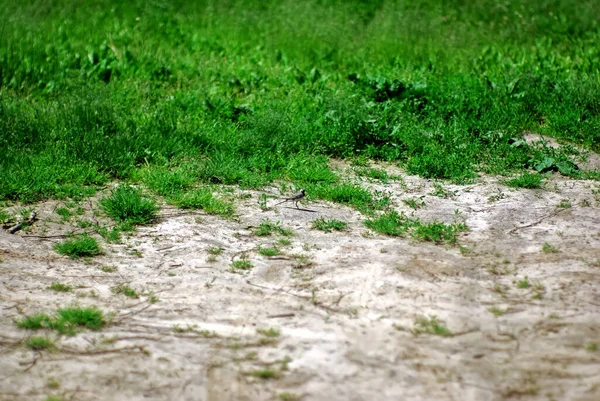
(344, 315)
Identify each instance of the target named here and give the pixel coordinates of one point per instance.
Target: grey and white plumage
(295, 198)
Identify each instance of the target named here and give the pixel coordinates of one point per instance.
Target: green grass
(526, 180)
(59, 287)
(273, 251)
(127, 205)
(271, 332)
(329, 225)
(268, 227)
(184, 94)
(39, 343)
(395, 224)
(216, 251)
(66, 321)
(203, 199)
(241, 264)
(438, 232)
(391, 223)
(265, 374)
(430, 325)
(78, 247)
(126, 290)
(373, 173)
(497, 311)
(64, 213)
(547, 248)
(414, 203)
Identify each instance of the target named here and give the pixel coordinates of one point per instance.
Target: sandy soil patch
(347, 308)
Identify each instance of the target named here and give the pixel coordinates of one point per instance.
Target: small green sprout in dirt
(538, 291)
(267, 227)
(262, 202)
(136, 253)
(79, 247)
(126, 290)
(265, 374)
(527, 180)
(5, 218)
(126, 204)
(288, 397)
(497, 311)
(273, 251)
(414, 203)
(431, 325)
(523, 283)
(284, 241)
(53, 384)
(39, 343)
(592, 347)
(392, 224)
(329, 225)
(66, 321)
(54, 398)
(565, 204)
(271, 332)
(64, 213)
(216, 250)
(112, 236)
(494, 198)
(438, 232)
(440, 191)
(60, 287)
(109, 269)
(189, 328)
(241, 264)
(373, 173)
(151, 298)
(547, 248)
(84, 224)
(395, 224)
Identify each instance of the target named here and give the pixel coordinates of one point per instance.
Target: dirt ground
(346, 304)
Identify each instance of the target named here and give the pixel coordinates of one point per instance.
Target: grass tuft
(329, 225)
(241, 264)
(39, 343)
(392, 224)
(82, 246)
(67, 320)
(527, 180)
(268, 227)
(60, 287)
(126, 204)
(126, 290)
(273, 251)
(431, 325)
(395, 224)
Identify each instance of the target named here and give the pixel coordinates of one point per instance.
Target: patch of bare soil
(354, 313)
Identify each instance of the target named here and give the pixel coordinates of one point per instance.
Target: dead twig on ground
(281, 315)
(317, 304)
(535, 223)
(33, 362)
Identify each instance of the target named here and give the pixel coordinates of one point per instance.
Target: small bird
(296, 198)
